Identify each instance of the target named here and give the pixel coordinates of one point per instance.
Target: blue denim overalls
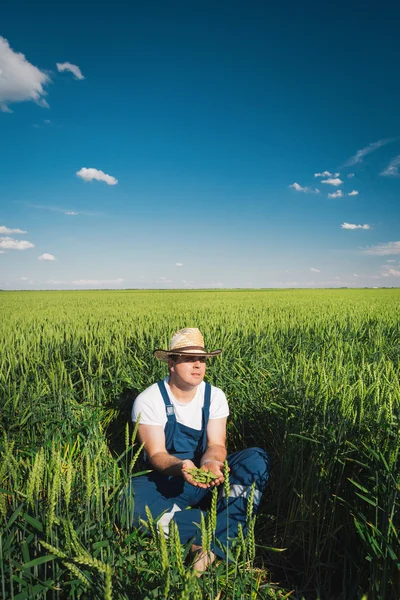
(169, 497)
(182, 441)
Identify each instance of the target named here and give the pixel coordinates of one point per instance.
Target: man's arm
(153, 438)
(215, 454)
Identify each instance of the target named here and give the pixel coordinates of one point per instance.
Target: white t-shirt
(150, 405)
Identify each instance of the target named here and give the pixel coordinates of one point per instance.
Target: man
(182, 423)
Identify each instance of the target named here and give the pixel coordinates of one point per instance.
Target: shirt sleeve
(151, 411)
(219, 405)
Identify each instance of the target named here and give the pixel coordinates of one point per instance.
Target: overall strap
(207, 401)
(171, 419)
(206, 414)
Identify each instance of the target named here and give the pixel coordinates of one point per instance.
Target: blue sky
(175, 145)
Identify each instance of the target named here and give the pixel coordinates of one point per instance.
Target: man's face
(187, 371)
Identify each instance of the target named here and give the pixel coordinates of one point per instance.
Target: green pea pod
(201, 475)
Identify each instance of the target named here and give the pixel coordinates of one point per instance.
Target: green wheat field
(312, 376)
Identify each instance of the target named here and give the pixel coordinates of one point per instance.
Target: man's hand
(188, 464)
(215, 466)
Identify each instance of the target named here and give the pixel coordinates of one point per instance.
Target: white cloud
(4, 229)
(392, 170)
(62, 210)
(336, 174)
(353, 193)
(55, 281)
(179, 264)
(323, 174)
(391, 273)
(46, 256)
(2, 252)
(10, 244)
(19, 79)
(352, 226)
(74, 69)
(96, 281)
(359, 155)
(306, 190)
(90, 174)
(384, 249)
(298, 187)
(391, 260)
(338, 194)
(350, 175)
(24, 279)
(315, 270)
(164, 280)
(333, 181)
(355, 275)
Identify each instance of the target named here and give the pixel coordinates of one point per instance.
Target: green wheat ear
(162, 544)
(205, 542)
(213, 509)
(227, 487)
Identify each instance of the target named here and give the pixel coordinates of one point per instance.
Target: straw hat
(185, 342)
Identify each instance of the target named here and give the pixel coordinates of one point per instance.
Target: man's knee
(258, 458)
(251, 464)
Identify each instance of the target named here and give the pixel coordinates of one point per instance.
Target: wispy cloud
(352, 226)
(90, 174)
(74, 69)
(7, 243)
(164, 280)
(19, 80)
(306, 190)
(314, 270)
(338, 194)
(62, 210)
(383, 249)
(323, 174)
(359, 155)
(353, 193)
(392, 170)
(333, 181)
(391, 273)
(350, 175)
(46, 256)
(179, 264)
(96, 281)
(55, 281)
(7, 230)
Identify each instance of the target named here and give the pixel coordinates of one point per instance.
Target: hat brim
(164, 355)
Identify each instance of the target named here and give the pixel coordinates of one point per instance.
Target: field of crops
(311, 376)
